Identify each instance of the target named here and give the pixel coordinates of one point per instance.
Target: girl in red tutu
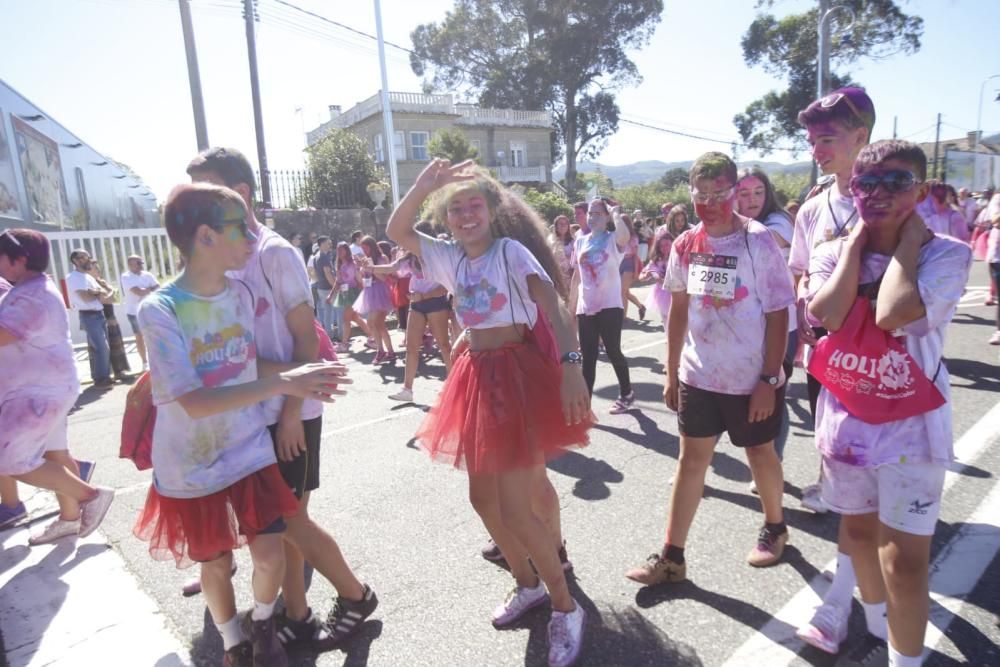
(216, 485)
(507, 407)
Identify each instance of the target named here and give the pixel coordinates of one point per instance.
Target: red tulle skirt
(500, 410)
(191, 530)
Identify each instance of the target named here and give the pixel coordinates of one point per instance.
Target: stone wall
(338, 224)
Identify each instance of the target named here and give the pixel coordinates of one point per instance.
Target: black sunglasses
(893, 182)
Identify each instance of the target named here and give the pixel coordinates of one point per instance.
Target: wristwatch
(771, 380)
(573, 357)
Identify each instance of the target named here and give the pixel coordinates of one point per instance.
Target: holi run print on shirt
(194, 342)
(942, 272)
(598, 259)
(732, 281)
(277, 277)
(815, 225)
(40, 362)
(486, 294)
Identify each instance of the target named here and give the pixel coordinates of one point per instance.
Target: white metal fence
(111, 249)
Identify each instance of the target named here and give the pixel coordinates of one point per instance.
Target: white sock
(842, 587)
(875, 619)
(262, 610)
(897, 659)
(231, 633)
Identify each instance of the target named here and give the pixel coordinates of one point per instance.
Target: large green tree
(340, 169)
(453, 145)
(566, 56)
(787, 47)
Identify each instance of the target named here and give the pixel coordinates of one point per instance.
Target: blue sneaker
(86, 469)
(11, 515)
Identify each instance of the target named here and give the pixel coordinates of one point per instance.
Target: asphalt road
(406, 526)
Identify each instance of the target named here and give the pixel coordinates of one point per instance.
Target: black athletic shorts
(302, 473)
(703, 414)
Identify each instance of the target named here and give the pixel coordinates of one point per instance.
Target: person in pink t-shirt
(38, 388)
(886, 479)
(726, 336)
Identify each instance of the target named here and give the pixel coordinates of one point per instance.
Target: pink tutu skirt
(374, 298)
(658, 299)
(980, 238)
(500, 410)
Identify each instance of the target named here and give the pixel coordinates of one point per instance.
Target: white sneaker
(405, 395)
(566, 636)
(54, 531)
(520, 601)
(812, 499)
(827, 629)
(92, 512)
(995, 338)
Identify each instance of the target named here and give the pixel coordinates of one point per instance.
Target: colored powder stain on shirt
(740, 293)
(476, 302)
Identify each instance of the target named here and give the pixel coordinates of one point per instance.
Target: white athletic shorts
(29, 427)
(907, 496)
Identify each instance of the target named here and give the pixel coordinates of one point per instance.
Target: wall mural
(10, 207)
(42, 171)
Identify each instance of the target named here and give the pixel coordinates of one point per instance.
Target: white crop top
(490, 290)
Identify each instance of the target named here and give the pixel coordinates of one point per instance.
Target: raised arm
(899, 301)
(435, 175)
(833, 301)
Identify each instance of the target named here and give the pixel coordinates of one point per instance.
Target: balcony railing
(434, 104)
(522, 174)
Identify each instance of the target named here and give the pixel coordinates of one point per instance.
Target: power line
(734, 142)
(341, 25)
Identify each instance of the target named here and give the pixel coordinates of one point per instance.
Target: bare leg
(862, 532)
(439, 329)
(545, 504)
(268, 554)
(905, 559)
(305, 540)
(415, 324)
(140, 346)
(689, 485)
(383, 332)
(217, 586)
(767, 472)
(8, 491)
(485, 499)
(515, 490)
(54, 477)
(68, 507)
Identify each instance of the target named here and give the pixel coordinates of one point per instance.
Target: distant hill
(639, 173)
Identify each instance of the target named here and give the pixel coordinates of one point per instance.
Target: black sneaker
(267, 650)
(240, 655)
(346, 617)
(870, 652)
(309, 630)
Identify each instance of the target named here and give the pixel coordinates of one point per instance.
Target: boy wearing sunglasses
(838, 126)
(886, 479)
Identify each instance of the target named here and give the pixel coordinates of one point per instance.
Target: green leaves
(453, 145)
(565, 56)
(788, 47)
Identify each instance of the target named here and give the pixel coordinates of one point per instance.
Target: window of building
(379, 150)
(418, 144)
(399, 146)
(81, 192)
(477, 146)
(517, 151)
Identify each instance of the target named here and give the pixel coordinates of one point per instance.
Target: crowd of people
(860, 279)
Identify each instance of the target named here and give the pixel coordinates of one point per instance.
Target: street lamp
(823, 47)
(979, 118)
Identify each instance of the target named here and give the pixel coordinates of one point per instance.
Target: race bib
(712, 275)
(366, 281)
(344, 287)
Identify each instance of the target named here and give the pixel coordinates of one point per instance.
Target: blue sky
(113, 72)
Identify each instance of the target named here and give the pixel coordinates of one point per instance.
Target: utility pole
(895, 120)
(390, 134)
(822, 65)
(197, 103)
(937, 141)
(258, 118)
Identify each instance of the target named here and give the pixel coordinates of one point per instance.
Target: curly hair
(510, 217)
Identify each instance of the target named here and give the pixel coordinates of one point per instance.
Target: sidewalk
(75, 603)
(83, 361)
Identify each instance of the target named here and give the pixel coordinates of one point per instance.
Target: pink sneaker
(827, 629)
(377, 359)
